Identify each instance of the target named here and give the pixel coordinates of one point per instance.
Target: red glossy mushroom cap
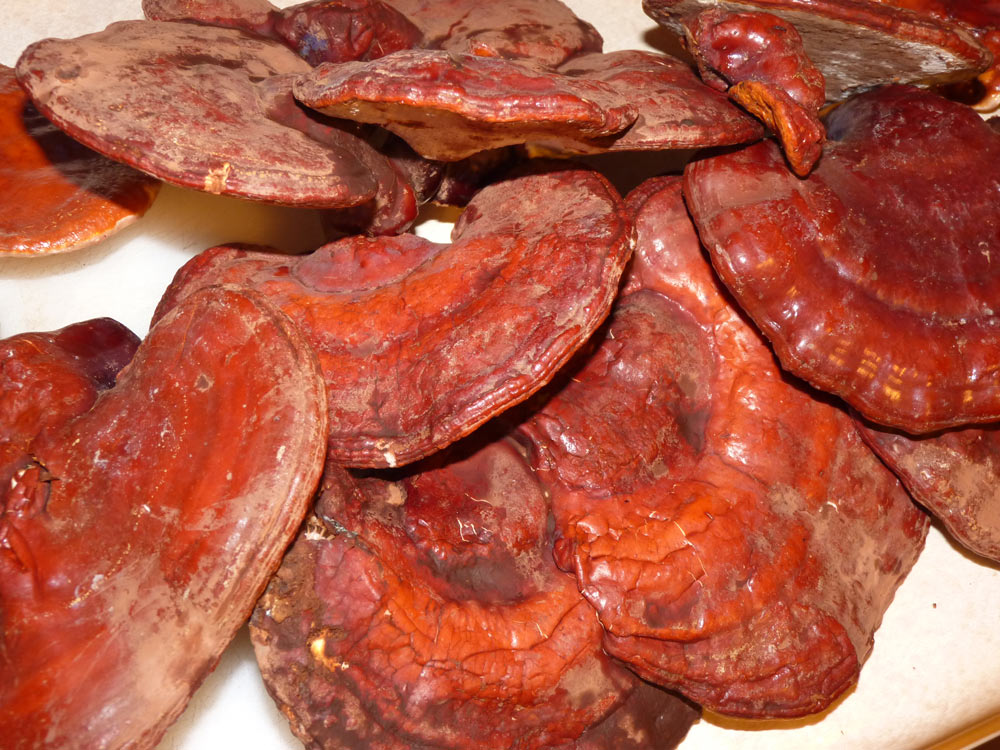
(877, 277)
(136, 534)
(855, 44)
(425, 610)
(57, 194)
(421, 342)
(181, 101)
(737, 538)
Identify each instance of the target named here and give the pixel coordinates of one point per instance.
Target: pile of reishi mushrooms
(613, 454)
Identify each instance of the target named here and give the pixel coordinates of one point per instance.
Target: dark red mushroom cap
(181, 102)
(136, 535)
(422, 342)
(57, 194)
(254, 16)
(424, 610)
(737, 538)
(877, 277)
(855, 44)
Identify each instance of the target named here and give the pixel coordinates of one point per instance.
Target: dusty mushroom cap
(58, 195)
(449, 106)
(857, 45)
(675, 109)
(738, 539)
(545, 31)
(181, 101)
(420, 342)
(193, 481)
(319, 31)
(425, 610)
(874, 278)
(954, 474)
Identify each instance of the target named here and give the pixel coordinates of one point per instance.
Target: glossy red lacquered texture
(58, 194)
(738, 539)
(875, 278)
(424, 610)
(421, 342)
(855, 44)
(139, 529)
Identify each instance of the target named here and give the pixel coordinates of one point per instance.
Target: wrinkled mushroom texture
(675, 109)
(424, 610)
(877, 277)
(422, 342)
(254, 16)
(58, 195)
(738, 540)
(135, 536)
(181, 101)
(449, 106)
(857, 45)
(545, 31)
(954, 474)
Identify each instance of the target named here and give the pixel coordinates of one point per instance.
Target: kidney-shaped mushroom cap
(422, 342)
(425, 610)
(181, 102)
(874, 278)
(954, 474)
(545, 31)
(57, 194)
(136, 536)
(448, 106)
(855, 44)
(737, 538)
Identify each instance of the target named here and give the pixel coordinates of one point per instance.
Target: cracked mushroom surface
(874, 278)
(422, 342)
(139, 529)
(423, 610)
(738, 539)
(58, 194)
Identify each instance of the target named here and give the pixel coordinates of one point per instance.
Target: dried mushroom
(424, 610)
(58, 195)
(137, 532)
(874, 277)
(738, 539)
(421, 342)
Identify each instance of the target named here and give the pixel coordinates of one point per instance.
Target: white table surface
(935, 670)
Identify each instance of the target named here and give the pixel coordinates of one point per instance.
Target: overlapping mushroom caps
(206, 108)
(425, 610)
(421, 342)
(857, 44)
(737, 538)
(875, 278)
(58, 195)
(136, 534)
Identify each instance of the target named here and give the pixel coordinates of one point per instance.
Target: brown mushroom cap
(448, 106)
(875, 278)
(954, 474)
(422, 342)
(425, 611)
(57, 194)
(738, 539)
(137, 535)
(181, 102)
(857, 45)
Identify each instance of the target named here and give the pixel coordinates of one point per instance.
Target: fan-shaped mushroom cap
(876, 278)
(255, 16)
(421, 342)
(425, 610)
(857, 45)
(136, 535)
(181, 102)
(449, 106)
(737, 538)
(57, 194)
